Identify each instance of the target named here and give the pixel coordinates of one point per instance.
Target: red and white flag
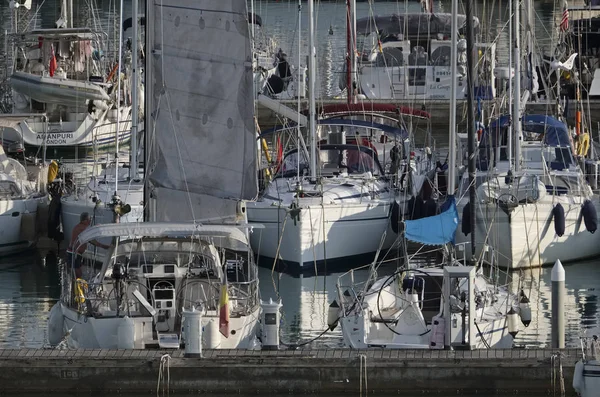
(564, 21)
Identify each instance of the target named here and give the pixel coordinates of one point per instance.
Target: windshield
(352, 159)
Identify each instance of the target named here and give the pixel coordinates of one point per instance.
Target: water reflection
(28, 288)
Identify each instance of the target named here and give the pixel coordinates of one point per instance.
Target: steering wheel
(199, 295)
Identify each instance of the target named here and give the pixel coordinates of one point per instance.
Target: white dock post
(558, 305)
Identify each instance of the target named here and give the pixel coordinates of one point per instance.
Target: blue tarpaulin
(556, 133)
(434, 230)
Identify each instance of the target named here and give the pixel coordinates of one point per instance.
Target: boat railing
(488, 257)
(349, 290)
(590, 348)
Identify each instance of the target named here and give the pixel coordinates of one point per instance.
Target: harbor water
(29, 283)
(29, 286)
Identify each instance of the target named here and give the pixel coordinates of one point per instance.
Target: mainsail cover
(201, 144)
(434, 230)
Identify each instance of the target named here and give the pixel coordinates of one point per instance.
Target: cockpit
(332, 160)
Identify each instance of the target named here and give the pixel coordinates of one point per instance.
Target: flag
(53, 65)
(224, 308)
(564, 22)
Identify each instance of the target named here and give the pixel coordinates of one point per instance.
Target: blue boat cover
(434, 230)
(556, 133)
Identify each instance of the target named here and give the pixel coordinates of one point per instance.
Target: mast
(133, 167)
(349, 90)
(452, 131)
(351, 61)
(471, 121)
(509, 132)
(311, 90)
(118, 129)
(148, 105)
(516, 116)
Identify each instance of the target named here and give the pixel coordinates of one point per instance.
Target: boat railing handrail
(88, 297)
(590, 347)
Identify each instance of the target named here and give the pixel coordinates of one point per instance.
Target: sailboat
(63, 93)
(450, 305)
(331, 200)
(406, 56)
(190, 260)
(585, 377)
(21, 193)
(117, 187)
(531, 209)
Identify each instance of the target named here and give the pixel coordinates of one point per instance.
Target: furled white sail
(202, 143)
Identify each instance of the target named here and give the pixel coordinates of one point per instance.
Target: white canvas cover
(235, 236)
(202, 137)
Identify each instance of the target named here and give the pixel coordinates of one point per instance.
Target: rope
(557, 377)
(363, 374)
(164, 373)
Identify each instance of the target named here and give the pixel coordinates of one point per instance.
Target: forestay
(202, 158)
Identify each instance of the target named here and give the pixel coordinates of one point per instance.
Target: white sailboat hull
(586, 379)
(495, 334)
(16, 219)
(102, 333)
(527, 237)
(329, 231)
(84, 130)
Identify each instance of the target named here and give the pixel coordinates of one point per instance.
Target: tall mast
(471, 121)
(453, 88)
(148, 105)
(133, 168)
(509, 133)
(118, 129)
(350, 45)
(311, 90)
(516, 117)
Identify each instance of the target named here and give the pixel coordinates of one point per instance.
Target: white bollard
(193, 332)
(270, 324)
(558, 305)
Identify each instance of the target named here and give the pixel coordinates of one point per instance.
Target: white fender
(56, 331)
(578, 382)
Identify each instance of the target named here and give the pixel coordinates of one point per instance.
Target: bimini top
(401, 133)
(412, 24)
(230, 236)
(434, 230)
(553, 131)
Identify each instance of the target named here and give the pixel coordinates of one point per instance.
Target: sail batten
(203, 156)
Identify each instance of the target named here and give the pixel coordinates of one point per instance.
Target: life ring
(583, 144)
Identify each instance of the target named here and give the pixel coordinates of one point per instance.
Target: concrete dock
(327, 371)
